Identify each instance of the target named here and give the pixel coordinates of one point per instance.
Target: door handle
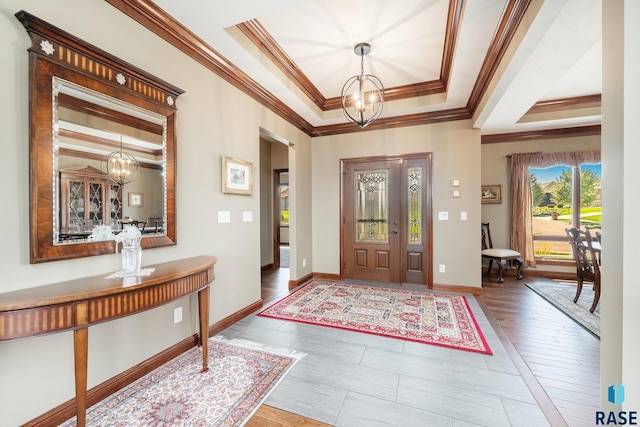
(394, 232)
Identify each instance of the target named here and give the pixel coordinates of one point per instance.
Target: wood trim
(259, 36)
(327, 276)
(455, 288)
(562, 104)
(304, 279)
(159, 22)
(559, 275)
(534, 135)
(152, 17)
(92, 109)
(74, 53)
(511, 17)
(223, 324)
(394, 122)
(266, 267)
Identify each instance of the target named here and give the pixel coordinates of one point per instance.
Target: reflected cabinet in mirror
(102, 148)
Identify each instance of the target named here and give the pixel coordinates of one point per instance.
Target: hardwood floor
(558, 359)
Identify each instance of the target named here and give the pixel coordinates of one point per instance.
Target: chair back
(583, 253)
(487, 243)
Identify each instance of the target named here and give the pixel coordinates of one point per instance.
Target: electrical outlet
(463, 216)
(304, 262)
(177, 315)
(442, 268)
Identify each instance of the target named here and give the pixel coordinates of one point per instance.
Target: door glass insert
(372, 215)
(414, 206)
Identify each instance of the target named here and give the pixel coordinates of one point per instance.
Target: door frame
(276, 216)
(428, 211)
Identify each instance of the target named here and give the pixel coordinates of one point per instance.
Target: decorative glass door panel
(372, 201)
(95, 200)
(414, 206)
(76, 203)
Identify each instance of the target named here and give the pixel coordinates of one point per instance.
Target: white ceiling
(556, 53)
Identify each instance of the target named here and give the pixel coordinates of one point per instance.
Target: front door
(386, 219)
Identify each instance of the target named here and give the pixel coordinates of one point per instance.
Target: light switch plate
(224, 217)
(463, 216)
(455, 183)
(456, 193)
(443, 216)
(247, 216)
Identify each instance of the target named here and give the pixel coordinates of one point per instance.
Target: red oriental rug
(426, 317)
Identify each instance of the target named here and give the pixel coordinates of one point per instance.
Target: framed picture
(237, 176)
(136, 200)
(492, 194)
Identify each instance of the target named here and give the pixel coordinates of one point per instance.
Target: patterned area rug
(426, 317)
(241, 375)
(561, 296)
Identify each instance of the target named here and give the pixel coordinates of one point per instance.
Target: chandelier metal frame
(357, 89)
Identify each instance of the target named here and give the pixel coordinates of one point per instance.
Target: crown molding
(542, 134)
(159, 22)
(563, 104)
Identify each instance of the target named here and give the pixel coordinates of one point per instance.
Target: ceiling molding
(394, 122)
(563, 104)
(511, 17)
(542, 134)
(150, 16)
(259, 36)
(159, 22)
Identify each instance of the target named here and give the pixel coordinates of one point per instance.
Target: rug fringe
(257, 346)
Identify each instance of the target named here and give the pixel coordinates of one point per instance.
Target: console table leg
(80, 345)
(203, 309)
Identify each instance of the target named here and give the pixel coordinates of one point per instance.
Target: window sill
(562, 262)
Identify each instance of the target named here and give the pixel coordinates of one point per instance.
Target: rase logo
(615, 395)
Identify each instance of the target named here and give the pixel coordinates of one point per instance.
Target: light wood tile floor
(546, 366)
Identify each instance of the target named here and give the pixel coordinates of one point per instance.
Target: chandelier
(120, 166)
(362, 95)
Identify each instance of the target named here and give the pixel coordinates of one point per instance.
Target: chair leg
(578, 289)
(596, 298)
(520, 261)
(501, 264)
(490, 267)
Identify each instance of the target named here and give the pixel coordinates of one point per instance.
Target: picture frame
(136, 200)
(491, 194)
(237, 176)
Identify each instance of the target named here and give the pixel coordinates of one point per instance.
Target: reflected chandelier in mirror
(86, 104)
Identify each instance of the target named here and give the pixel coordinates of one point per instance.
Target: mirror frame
(56, 53)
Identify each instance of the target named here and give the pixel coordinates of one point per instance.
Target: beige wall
(40, 370)
(456, 154)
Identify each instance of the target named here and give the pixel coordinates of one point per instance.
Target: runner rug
(561, 296)
(241, 375)
(425, 317)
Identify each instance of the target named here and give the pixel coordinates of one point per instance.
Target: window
(562, 197)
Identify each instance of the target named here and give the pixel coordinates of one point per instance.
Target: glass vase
(131, 255)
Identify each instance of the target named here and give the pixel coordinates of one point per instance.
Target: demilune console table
(77, 304)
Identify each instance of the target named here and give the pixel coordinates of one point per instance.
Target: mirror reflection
(89, 129)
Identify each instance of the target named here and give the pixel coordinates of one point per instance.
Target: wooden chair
(501, 256)
(587, 265)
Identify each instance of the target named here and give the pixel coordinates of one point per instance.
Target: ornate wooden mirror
(84, 104)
